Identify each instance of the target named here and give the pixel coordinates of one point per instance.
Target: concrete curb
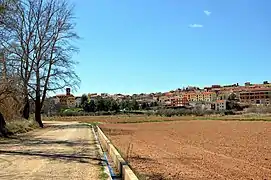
(120, 163)
(100, 151)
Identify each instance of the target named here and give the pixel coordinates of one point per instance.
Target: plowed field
(195, 149)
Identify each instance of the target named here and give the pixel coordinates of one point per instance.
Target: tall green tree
(89, 106)
(134, 105)
(107, 104)
(115, 106)
(92, 106)
(100, 104)
(84, 100)
(124, 105)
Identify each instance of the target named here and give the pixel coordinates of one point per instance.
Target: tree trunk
(26, 110)
(3, 130)
(38, 111)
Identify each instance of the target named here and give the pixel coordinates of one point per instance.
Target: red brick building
(261, 96)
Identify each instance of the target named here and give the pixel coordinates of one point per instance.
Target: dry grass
(21, 126)
(145, 118)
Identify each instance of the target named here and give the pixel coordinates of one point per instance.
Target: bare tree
(10, 91)
(8, 9)
(38, 41)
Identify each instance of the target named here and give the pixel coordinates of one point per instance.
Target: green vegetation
(103, 175)
(109, 104)
(143, 121)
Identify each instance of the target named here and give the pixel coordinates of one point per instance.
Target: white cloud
(195, 25)
(208, 13)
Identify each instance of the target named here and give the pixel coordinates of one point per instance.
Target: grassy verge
(95, 120)
(143, 121)
(248, 117)
(103, 175)
(21, 126)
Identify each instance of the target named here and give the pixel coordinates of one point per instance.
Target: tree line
(110, 104)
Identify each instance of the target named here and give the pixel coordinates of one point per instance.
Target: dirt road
(64, 151)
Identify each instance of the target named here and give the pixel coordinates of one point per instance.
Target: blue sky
(134, 46)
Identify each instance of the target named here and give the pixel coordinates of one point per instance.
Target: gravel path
(63, 151)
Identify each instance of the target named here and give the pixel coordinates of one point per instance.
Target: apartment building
(177, 101)
(257, 96)
(209, 96)
(191, 96)
(220, 105)
(184, 98)
(200, 96)
(164, 99)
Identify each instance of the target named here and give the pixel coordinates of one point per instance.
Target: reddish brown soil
(196, 149)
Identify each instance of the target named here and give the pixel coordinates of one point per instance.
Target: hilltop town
(214, 97)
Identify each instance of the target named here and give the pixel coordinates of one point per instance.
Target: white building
(78, 101)
(220, 105)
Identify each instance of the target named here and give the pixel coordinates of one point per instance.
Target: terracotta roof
(58, 95)
(208, 93)
(258, 89)
(220, 101)
(191, 93)
(168, 94)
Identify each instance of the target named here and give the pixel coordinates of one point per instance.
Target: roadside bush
(103, 113)
(259, 109)
(229, 112)
(82, 113)
(150, 113)
(159, 112)
(21, 126)
(184, 112)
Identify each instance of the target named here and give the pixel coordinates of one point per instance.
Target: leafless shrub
(259, 109)
(129, 151)
(11, 97)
